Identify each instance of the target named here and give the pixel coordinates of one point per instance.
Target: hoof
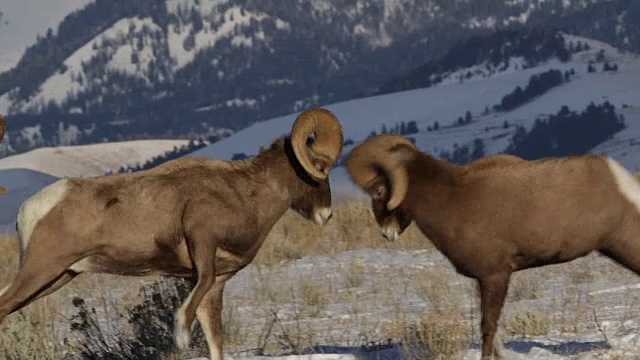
(182, 335)
(182, 338)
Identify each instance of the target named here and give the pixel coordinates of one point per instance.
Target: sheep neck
(274, 172)
(432, 184)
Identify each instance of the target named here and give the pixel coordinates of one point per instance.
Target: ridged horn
(367, 159)
(317, 159)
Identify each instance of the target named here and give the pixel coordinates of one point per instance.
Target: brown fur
(503, 214)
(192, 217)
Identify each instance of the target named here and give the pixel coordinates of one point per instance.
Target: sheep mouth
(322, 216)
(390, 233)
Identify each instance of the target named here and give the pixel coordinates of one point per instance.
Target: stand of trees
(169, 155)
(567, 132)
(538, 85)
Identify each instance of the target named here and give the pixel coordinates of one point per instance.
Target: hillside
(446, 102)
(89, 160)
(443, 103)
(341, 285)
(124, 70)
(20, 26)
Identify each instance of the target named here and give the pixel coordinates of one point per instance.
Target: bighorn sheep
(191, 217)
(497, 216)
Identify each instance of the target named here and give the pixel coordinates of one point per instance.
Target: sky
(23, 20)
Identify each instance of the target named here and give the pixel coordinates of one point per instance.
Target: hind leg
(61, 281)
(33, 281)
(623, 246)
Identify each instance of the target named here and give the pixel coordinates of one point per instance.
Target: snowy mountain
(446, 103)
(90, 160)
(20, 26)
(123, 70)
(499, 115)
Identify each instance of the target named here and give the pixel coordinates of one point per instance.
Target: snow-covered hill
(23, 21)
(445, 103)
(130, 69)
(21, 184)
(90, 160)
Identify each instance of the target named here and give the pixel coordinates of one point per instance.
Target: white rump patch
(37, 207)
(627, 183)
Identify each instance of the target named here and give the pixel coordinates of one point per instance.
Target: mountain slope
(450, 100)
(90, 160)
(132, 69)
(23, 183)
(20, 26)
(444, 103)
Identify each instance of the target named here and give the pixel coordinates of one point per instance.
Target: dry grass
(40, 330)
(531, 322)
(22, 333)
(290, 311)
(352, 227)
(440, 335)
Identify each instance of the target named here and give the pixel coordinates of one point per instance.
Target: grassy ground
(340, 284)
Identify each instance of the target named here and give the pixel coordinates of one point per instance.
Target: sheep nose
(323, 215)
(390, 234)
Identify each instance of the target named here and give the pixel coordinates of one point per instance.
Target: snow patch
(88, 160)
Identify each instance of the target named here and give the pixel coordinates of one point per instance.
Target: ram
(499, 215)
(192, 217)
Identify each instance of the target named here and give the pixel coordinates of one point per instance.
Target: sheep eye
(379, 193)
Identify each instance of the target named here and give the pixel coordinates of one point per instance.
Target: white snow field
(89, 160)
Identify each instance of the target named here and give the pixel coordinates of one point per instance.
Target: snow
(208, 36)
(4, 103)
(89, 160)
(63, 86)
(393, 283)
(445, 103)
(20, 184)
(122, 57)
(396, 275)
(25, 20)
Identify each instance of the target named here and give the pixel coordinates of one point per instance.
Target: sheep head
(378, 166)
(315, 157)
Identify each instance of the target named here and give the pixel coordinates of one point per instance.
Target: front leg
(202, 247)
(209, 314)
(493, 290)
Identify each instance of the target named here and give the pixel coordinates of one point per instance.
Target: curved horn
(317, 159)
(372, 156)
